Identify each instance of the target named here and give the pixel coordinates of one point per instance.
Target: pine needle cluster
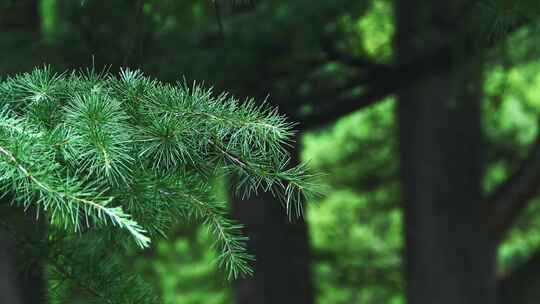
(130, 155)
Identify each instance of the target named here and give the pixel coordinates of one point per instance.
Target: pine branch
(92, 150)
(229, 241)
(62, 202)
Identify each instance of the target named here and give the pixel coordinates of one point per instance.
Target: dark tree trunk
(281, 249)
(21, 273)
(22, 252)
(9, 289)
(450, 254)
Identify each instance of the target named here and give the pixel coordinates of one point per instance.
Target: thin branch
(329, 48)
(511, 197)
(385, 81)
(115, 215)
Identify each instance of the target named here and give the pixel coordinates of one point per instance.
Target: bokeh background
(331, 66)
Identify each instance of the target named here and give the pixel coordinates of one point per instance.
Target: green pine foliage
(116, 158)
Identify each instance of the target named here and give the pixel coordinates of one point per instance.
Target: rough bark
(450, 253)
(281, 249)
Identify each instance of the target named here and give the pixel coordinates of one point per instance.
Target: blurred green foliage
(511, 117)
(356, 228)
(186, 272)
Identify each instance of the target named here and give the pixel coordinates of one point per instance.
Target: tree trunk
(281, 249)
(22, 251)
(450, 254)
(9, 289)
(21, 273)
